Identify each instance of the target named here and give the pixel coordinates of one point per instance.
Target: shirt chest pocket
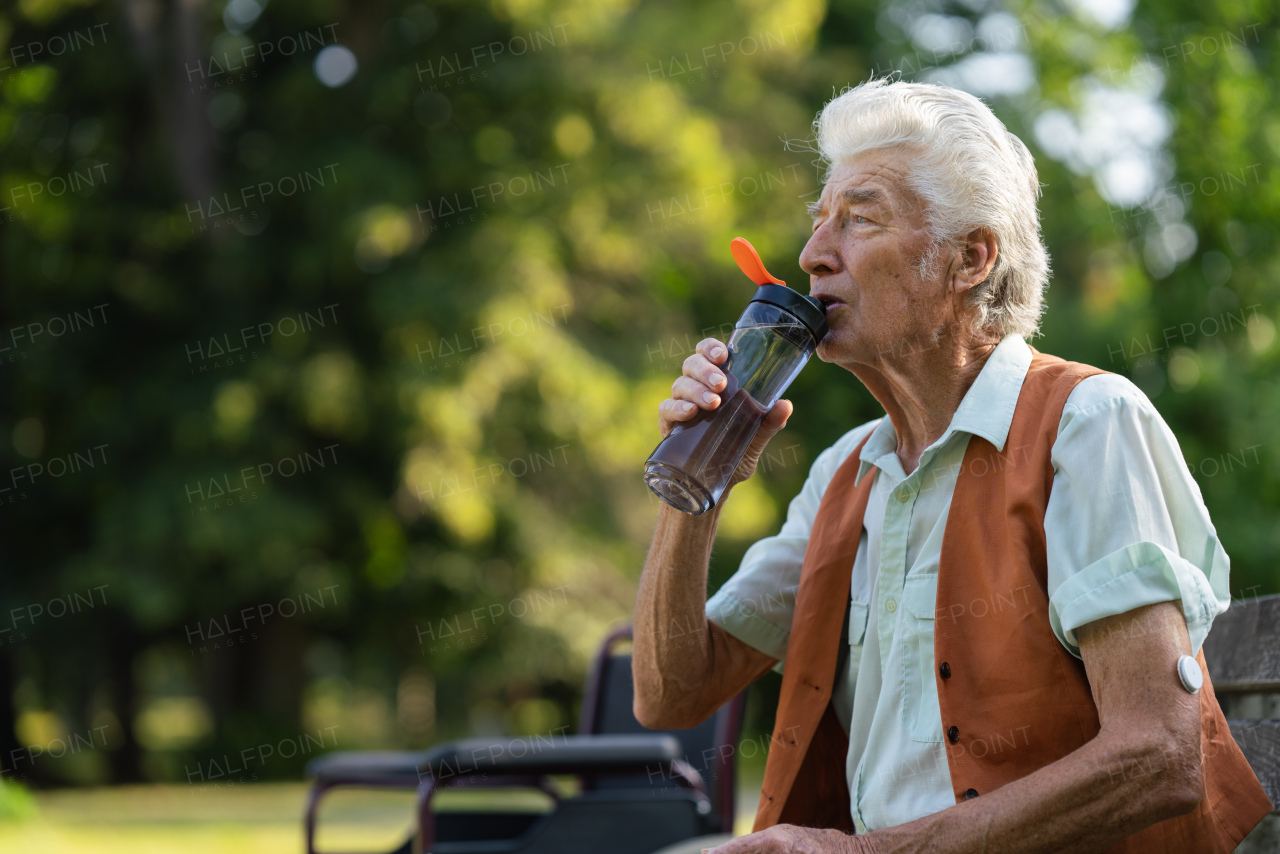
(920, 711)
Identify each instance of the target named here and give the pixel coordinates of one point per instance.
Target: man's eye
(860, 218)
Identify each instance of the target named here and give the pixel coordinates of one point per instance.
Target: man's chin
(840, 347)
(832, 348)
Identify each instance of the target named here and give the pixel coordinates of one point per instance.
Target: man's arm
(1143, 766)
(684, 666)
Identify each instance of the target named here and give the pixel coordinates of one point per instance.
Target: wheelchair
(641, 791)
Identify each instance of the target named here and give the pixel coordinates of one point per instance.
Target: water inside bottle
(692, 466)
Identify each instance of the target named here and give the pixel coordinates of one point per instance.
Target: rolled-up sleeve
(1126, 525)
(756, 604)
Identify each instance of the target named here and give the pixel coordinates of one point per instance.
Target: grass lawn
(250, 818)
(247, 818)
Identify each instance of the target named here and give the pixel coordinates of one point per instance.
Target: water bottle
(770, 344)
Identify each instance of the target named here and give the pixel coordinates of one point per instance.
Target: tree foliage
(390, 350)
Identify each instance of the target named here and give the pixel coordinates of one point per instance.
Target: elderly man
(996, 582)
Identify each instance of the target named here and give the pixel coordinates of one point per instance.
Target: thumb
(777, 417)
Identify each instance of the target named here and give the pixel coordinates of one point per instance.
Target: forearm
(1112, 787)
(685, 667)
(672, 652)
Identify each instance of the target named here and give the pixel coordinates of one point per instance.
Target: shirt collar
(986, 409)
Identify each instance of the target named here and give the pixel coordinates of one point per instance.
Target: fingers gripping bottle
(769, 346)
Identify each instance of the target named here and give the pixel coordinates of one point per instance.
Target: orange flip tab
(749, 263)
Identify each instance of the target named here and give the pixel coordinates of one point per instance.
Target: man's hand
(697, 389)
(789, 839)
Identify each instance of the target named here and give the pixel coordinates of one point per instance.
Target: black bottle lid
(807, 310)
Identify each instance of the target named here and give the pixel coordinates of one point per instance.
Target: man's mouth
(829, 304)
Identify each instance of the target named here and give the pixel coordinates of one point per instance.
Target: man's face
(869, 234)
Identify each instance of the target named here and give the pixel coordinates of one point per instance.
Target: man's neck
(922, 389)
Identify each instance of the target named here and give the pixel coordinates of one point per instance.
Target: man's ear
(978, 253)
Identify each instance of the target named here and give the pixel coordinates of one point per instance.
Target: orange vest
(1015, 700)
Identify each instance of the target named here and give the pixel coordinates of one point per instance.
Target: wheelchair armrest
(572, 754)
(394, 768)
(471, 761)
(568, 754)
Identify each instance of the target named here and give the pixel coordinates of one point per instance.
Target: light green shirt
(1125, 527)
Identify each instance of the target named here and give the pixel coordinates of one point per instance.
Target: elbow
(1158, 774)
(1187, 790)
(657, 715)
(648, 717)
(1186, 802)
(1182, 786)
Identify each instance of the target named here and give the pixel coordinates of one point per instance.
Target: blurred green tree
(328, 394)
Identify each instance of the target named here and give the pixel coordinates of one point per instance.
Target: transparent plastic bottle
(770, 344)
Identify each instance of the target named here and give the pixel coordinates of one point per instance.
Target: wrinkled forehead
(880, 178)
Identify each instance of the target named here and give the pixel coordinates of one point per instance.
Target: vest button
(954, 734)
(945, 670)
(970, 794)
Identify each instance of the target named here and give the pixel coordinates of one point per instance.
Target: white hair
(971, 172)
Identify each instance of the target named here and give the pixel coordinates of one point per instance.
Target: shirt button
(945, 670)
(954, 734)
(903, 494)
(970, 794)
(891, 605)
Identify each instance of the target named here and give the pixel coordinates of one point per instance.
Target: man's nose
(819, 256)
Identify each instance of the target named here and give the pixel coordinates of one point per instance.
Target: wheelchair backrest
(709, 748)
